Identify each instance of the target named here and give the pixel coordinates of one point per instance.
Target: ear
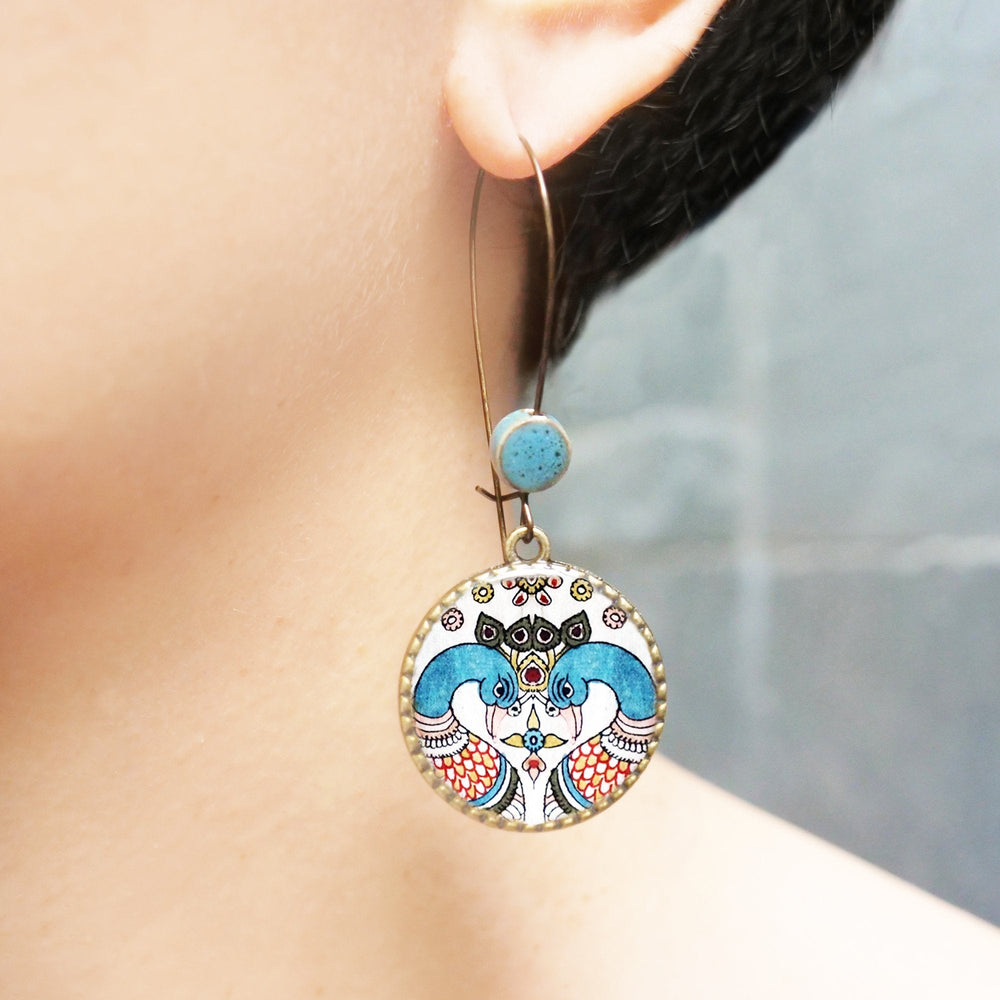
(554, 71)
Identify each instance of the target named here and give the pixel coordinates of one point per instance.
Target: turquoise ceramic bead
(531, 451)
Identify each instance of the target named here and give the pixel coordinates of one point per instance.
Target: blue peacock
(602, 763)
(470, 764)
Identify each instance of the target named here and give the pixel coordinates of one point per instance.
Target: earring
(532, 695)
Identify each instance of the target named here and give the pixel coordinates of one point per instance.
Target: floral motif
(483, 594)
(532, 586)
(614, 617)
(452, 620)
(581, 590)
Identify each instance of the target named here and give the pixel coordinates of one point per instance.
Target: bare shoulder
(723, 899)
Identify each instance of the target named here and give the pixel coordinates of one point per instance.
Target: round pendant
(532, 696)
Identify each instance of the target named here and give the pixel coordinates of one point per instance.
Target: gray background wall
(787, 452)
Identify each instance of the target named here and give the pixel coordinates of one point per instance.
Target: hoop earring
(532, 695)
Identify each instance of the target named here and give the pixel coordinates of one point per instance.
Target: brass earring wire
(532, 695)
(560, 459)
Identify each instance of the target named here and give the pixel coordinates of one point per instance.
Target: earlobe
(556, 70)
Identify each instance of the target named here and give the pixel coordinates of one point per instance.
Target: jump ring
(521, 535)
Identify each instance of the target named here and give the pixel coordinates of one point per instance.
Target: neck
(290, 481)
(202, 667)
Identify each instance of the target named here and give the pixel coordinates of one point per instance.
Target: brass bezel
(426, 768)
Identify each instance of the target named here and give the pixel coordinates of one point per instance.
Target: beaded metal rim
(426, 768)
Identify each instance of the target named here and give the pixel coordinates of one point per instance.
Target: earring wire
(527, 522)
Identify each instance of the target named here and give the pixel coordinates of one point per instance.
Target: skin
(239, 431)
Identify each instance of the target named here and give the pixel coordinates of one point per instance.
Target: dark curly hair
(675, 159)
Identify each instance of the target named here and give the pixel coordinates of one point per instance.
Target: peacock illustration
(598, 765)
(470, 764)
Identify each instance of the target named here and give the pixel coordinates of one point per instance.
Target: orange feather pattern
(594, 772)
(473, 772)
